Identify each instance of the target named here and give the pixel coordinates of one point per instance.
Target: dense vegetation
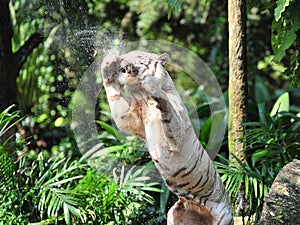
(45, 179)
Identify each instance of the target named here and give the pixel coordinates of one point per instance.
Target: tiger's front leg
(125, 110)
(170, 117)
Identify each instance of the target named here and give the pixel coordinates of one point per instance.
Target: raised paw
(109, 67)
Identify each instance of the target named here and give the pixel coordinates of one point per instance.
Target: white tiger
(144, 102)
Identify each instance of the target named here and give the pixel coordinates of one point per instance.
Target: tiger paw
(109, 67)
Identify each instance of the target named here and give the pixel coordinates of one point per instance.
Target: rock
(282, 204)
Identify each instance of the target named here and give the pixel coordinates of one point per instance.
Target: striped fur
(144, 101)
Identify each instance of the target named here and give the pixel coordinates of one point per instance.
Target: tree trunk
(238, 86)
(282, 205)
(8, 86)
(11, 63)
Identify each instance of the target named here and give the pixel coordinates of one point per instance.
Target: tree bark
(8, 89)
(282, 205)
(238, 93)
(238, 86)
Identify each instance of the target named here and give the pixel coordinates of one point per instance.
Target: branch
(21, 55)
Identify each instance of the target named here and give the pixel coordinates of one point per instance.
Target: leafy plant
(117, 199)
(271, 143)
(49, 191)
(235, 176)
(39, 188)
(285, 27)
(38, 191)
(55, 192)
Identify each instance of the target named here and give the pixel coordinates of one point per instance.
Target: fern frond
(6, 168)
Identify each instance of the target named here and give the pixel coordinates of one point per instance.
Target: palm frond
(7, 121)
(234, 176)
(55, 193)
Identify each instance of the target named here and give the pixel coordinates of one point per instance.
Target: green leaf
(255, 186)
(232, 186)
(205, 130)
(122, 179)
(280, 8)
(67, 214)
(74, 211)
(261, 191)
(58, 183)
(111, 130)
(228, 181)
(94, 150)
(164, 197)
(172, 3)
(281, 105)
(266, 190)
(210, 132)
(178, 5)
(153, 189)
(54, 205)
(246, 185)
(224, 177)
(258, 156)
(251, 124)
(262, 114)
(281, 42)
(295, 62)
(107, 150)
(6, 168)
(169, 12)
(7, 121)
